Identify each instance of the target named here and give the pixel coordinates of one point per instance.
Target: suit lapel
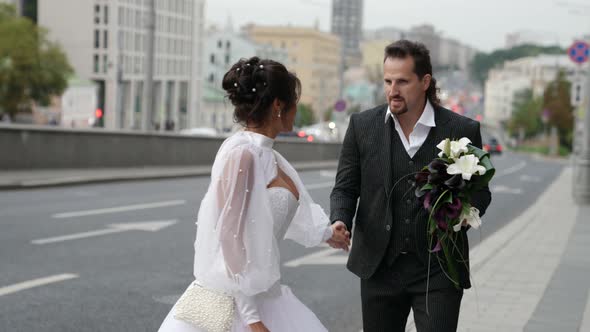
(441, 131)
(386, 147)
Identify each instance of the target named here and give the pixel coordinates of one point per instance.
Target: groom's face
(404, 90)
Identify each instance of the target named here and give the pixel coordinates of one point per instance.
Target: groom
(390, 244)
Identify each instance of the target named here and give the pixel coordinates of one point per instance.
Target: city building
(347, 23)
(78, 104)
(533, 73)
(445, 53)
(106, 42)
(223, 48)
(313, 55)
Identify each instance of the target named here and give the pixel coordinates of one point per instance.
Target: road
(114, 257)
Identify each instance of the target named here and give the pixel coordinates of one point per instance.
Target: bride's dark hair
(253, 84)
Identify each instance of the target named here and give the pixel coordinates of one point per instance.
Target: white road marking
(511, 170)
(328, 174)
(36, 283)
(320, 185)
(322, 257)
(118, 209)
(148, 226)
(506, 190)
(528, 178)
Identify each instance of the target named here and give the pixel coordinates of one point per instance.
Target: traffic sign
(340, 105)
(579, 52)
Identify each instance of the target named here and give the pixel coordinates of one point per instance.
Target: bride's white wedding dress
(240, 254)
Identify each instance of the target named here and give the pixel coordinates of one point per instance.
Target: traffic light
(98, 115)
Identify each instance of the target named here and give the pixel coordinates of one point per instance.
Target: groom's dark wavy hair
(422, 65)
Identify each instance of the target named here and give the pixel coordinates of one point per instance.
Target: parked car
(492, 146)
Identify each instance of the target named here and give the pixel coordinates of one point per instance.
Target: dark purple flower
(438, 247)
(438, 172)
(456, 182)
(422, 178)
(453, 210)
(428, 200)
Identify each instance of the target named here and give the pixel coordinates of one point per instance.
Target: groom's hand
(341, 236)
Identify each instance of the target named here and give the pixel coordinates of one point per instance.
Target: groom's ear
(426, 80)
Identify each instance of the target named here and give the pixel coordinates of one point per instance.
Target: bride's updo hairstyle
(253, 84)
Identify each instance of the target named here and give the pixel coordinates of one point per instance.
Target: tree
(32, 68)
(526, 114)
(327, 115)
(305, 116)
(483, 62)
(556, 100)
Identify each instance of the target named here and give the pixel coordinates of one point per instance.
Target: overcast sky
(480, 23)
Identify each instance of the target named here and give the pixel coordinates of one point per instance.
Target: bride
(256, 199)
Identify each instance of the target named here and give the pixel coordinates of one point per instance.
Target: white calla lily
(466, 166)
(458, 147)
(470, 218)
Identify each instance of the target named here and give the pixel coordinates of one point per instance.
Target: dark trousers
(392, 291)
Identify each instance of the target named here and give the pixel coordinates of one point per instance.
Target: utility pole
(581, 183)
(148, 84)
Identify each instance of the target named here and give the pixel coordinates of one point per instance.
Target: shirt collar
(426, 119)
(259, 139)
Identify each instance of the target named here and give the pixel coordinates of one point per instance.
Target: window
(96, 39)
(227, 59)
(212, 59)
(105, 63)
(219, 44)
(138, 20)
(97, 14)
(137, 43)
(227, 44)
(121, 16)
(96, 63)
(106, 39)
(106, 14)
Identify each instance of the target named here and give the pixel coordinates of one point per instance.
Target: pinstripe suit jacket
(365, 177)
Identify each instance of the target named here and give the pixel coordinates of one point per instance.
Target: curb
(132, 174)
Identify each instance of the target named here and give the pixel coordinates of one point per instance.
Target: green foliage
(32, 68)
(327, 116)
(483, 62)
(305, 116)
(557, 100)
(526, 114)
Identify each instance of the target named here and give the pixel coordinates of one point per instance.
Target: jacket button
(411, 162)
(388, 228)
(409, 201)
(407, 221)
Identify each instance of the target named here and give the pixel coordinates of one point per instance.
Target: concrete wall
(30, 147)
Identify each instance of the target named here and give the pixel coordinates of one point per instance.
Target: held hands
(340, 237)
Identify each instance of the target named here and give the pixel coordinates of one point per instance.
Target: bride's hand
(340, 237)
(258, 327)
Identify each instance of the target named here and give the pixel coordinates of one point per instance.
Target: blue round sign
(340, 105)
(579, 52)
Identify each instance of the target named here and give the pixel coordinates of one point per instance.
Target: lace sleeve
(235, 249)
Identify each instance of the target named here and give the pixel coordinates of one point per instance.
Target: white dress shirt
(420, 131)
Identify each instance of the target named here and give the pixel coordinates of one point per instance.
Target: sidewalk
(533, 275)
(59, 177)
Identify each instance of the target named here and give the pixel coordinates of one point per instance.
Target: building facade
(222, 49)
(347, 23)
(313, 55)
(106, 42)
(533, 73)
